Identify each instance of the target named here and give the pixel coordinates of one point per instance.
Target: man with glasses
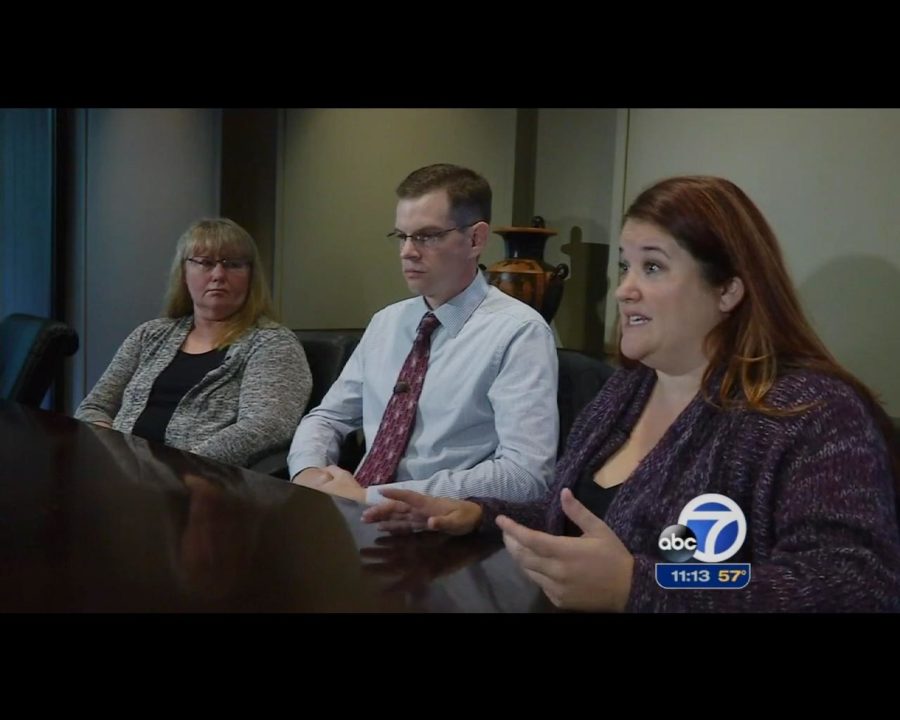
(455, 389)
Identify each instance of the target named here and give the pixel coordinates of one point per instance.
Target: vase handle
(561, 271)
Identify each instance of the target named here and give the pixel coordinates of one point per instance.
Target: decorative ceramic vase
(524, 274)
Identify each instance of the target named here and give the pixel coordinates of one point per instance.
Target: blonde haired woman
(217, 375)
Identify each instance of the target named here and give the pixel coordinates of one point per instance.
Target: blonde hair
(220, 237)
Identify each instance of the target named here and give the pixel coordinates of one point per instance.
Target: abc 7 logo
(711, 528)
(677, 543)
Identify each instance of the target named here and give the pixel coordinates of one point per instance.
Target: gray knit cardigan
(248, 405)
(816, 489)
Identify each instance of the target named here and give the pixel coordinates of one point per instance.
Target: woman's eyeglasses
(207, 265)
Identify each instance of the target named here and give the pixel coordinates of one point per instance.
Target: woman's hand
(591, 572)
(406, 511)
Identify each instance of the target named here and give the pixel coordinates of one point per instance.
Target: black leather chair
(580, 379)
(32, 351)
(327, 351)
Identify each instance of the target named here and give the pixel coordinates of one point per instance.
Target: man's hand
(332, 480)
(406, 511)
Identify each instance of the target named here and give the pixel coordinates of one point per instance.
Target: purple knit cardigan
(816, 489)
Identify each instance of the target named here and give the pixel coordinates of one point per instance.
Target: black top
(185, 371)
(595, 498)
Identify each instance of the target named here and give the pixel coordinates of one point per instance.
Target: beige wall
(829, 183)
(575, 177)
(335, 267)
(828, 180)
(141, 176)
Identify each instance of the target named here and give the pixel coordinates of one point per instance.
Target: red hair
(767, 333)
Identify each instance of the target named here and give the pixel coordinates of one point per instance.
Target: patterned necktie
(399, 417)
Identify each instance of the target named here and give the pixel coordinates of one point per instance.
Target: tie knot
(427, 325)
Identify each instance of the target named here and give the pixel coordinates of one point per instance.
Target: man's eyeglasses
(207, 265)
(426, 239)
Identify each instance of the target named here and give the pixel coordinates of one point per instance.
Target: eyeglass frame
(202, 264)
(426, 239)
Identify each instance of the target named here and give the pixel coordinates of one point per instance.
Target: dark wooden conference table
(92, 520)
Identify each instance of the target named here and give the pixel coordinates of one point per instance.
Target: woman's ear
(732, 294)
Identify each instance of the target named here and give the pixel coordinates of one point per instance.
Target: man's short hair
(469, 193)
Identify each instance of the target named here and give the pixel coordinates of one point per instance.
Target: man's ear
(732, 294)
(481, 233)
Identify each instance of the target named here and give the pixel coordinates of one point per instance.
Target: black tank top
(595, 498)
(183, 373)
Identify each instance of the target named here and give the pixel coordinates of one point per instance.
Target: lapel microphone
(401, 387)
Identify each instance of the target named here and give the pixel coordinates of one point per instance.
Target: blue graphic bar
(705, 576)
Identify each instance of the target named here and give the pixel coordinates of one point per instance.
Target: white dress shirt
(487, 422)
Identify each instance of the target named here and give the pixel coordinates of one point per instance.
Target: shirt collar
(454, 313)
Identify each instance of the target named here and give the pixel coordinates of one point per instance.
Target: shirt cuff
(299, 463)
(373, 497)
